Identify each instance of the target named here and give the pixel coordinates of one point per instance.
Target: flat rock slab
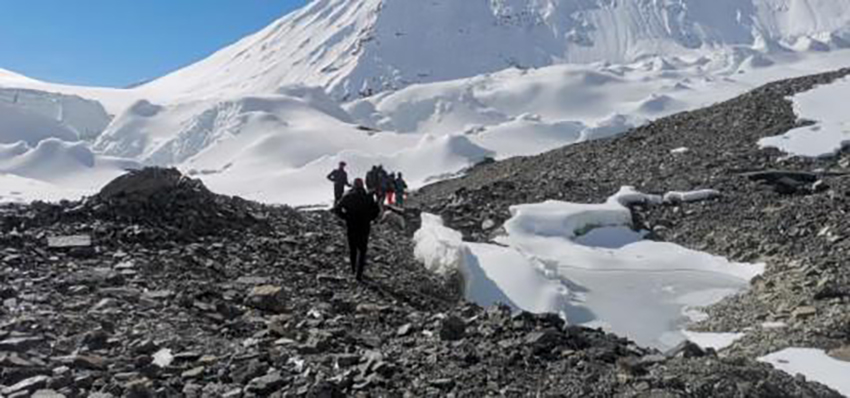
(27, 385)
(70, 241)
(20, 344)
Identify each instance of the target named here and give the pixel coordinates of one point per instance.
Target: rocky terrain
(789, 213)
(158, 287)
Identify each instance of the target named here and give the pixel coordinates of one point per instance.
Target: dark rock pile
(273, 312)
(152, 204)
(788, 212)
(166, 198)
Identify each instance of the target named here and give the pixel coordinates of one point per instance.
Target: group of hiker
(361, 205)
(389, 188)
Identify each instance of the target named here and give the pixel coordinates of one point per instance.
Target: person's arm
(332, 177)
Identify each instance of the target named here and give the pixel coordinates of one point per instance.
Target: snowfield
(585, 262)
(278, 147)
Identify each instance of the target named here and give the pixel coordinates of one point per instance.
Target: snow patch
(491, 274)
(815, 365)
(593, 268)
(826, 105)
(716, 341)
(690, 196)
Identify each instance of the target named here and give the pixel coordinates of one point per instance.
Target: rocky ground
(789, 213)
(170, 290)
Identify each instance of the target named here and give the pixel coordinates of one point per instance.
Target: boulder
(267, 298)
(267, 384)
(686, 349)
(452, 328)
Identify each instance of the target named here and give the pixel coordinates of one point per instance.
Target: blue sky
(120, 42)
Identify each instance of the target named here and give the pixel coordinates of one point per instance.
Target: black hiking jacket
(357, 208)
(339, 177)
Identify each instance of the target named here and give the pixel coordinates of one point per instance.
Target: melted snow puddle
(584, 262)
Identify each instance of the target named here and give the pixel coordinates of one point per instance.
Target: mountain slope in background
(356, 48)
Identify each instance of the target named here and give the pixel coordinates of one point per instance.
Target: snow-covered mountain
(335, 81)
(358, 47)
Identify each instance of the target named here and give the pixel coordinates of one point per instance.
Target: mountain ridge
(359, 48)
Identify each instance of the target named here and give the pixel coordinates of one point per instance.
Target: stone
(70, 241)
(20, 344)
(187, 356)
(347, 360)
(804, 312)
(193, 373)
(8, 292)
(316, 343)
(543, 341)
(90, 362)
(14, 360)
(266, 384)
(142, 184)
(141, 388)
(685, 349)
(158, 294)
(443, 384)
(267, 298)
(96, 339)
(124, 266)
(249, 371)
(144, 347)
(27, 385)
(404, 330)
(452, 328)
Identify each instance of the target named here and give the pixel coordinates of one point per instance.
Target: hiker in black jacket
(340, 179)
(383, 184)
(358, 209)
(372, 182)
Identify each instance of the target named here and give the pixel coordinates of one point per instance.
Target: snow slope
(584, 261)
(359, 47)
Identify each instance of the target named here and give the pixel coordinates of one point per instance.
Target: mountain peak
(358, 48)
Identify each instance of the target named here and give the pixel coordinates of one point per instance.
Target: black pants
(338, 191)
(358, 241)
